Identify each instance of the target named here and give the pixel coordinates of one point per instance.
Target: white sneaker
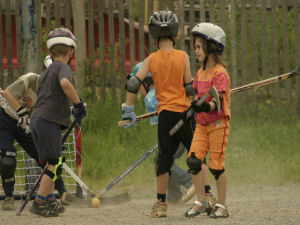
(198, 208)
(188, 194)
(220, 211)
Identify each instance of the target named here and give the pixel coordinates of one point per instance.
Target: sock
(161, 197)
(40, 198)
(207, 189)
(51, 196)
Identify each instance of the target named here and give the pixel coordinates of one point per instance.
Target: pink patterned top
(216, 76)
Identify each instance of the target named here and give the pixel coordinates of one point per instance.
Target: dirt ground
(248, 204)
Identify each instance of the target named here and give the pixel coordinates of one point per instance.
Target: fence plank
(101, 50)
(38, 38)
(131, 35)
(264, 34)
(68, 14)
(274, 55)
(8, 41)
(212, 15)
(48, 16)
(18, 37)
(141, 10)
(112, 49)
(181, 24)
(253, 41)
(233, 44)
(202, 11)
(91, 47)
(244, 68)
(223, 14)
(150, 12)
(122, 50)
(57, 13)
(192, 24)
(1, 52)
(286, 55)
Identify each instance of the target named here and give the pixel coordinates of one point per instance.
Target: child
(211, 133)
(170, 71)
(51, 114)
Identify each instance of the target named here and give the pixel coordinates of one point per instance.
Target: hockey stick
(127, 171)
(138, 118)
(271, 80)
(28, 197)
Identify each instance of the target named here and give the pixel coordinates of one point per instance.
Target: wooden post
(233, 44)
(297, 49)
(79, 32)
(141, 31)
(1, 53)
(29, 37)
(112, 49)
(181, 25)
(57, 13)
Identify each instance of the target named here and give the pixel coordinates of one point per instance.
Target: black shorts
(47, 138)
(168, 145)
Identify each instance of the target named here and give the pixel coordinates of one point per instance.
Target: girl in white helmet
(211, 133)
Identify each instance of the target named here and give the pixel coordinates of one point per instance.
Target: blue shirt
(151, 105)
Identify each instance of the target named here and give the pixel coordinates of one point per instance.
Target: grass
(262, 149)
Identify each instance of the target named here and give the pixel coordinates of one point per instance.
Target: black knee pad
(194, 164)
(57, 163)
(217, 173)
(163, 164)
(8, 166)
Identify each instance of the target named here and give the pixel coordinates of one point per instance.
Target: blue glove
(128, 114)
(79, 111)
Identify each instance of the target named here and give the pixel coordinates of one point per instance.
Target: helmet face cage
(163, 24)
(61, 36)
(211, 32)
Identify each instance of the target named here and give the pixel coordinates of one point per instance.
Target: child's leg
(222, 188)
(46, 185)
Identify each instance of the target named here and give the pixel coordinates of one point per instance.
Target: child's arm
(69, 90)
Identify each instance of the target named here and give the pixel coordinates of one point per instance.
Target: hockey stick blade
(127, 171)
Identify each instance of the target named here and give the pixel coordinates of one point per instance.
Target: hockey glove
(79, 111)
(205, 107)
(24, 120)
(128, 114)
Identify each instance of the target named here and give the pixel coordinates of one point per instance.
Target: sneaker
(211, 200)
(67, 198)
(55, 206)
(220, 211)
(188, 194)
(42, 209)
(198, 208)
(8, 203)
(159, 210)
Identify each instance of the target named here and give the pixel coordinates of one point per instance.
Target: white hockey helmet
(211, 32)
(61, 36)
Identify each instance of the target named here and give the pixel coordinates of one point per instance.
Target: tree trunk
(79, 32)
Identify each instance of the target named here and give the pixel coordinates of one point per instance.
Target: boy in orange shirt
(212, 130)
(170, 69)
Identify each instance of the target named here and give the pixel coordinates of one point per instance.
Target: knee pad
(194, 164)
(57, 163)
(8, 164)
(217, 173)
(163, 164)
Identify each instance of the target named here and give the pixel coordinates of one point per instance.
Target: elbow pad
(133, 84)
(189, 89)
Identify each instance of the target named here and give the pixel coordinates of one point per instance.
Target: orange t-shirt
(167, 70)
(216, 76)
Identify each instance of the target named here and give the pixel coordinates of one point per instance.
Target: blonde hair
(60, 50)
